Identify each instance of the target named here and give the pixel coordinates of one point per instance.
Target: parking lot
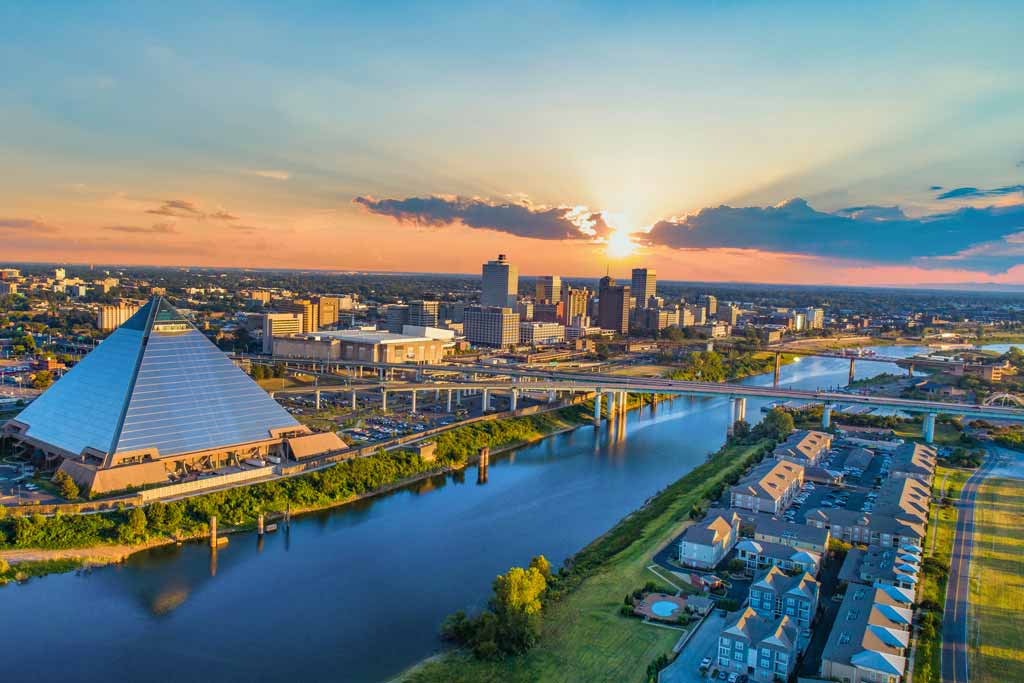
(703, 643)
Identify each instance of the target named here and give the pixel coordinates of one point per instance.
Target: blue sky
(282, 114)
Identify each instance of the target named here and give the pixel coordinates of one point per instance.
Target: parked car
(705, 663)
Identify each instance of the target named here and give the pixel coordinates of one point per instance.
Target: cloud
(155, 229)
(935, 188)
(866, 234)
(971, 192)
(30, 224)
(182, 208)
(270, 174)
(515, 218)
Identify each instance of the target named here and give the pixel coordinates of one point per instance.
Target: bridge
(616, 387)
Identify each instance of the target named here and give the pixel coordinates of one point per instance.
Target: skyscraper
(549, 289)
(424, 313)
(500, 283)
(613, 305)
(575, 302)
(644, 285)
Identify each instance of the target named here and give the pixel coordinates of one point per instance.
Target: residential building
(372, 346)
(644, 286)
(870, 637)
(613, 305)
(279, 325)
(500, 284)
(913, 461)
(881, 565)
(758, 555)
(774, 593)
(814, 318)
(548, 289)
(799, 536)
(804, 447)
(706, 543)
(491, 326)
(110, 317)
(769, 487)
(535, 333)
(763, 648)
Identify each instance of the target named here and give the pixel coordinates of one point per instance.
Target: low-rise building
(770, 487)
(913, 461)
(804, 447)
(536, 333)
(881, 565)
(775, 593)
(758, 555)
(372, 346)
(763, 648)
(869, 640)
(706, 543)
(799, 536)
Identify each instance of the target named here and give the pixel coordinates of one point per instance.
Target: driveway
(703, 643)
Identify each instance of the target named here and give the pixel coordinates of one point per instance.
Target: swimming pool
(664, 608)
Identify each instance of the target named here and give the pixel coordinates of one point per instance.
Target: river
(357, 593)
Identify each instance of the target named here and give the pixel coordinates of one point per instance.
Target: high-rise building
(307, 309)
(693, 314)
(279, 325)
(396, 316)
(710, 302)
(549, 289)
(491, 326)
(575, 303)
(111, 317)
(644, 285)
(59, 273)
(500, 285)
(815, 318)
(525, 309)
(658, 318)
(424, 313)
(729, 313)
(153, 403)
(613, 305)
(549, 313)
(328, 310)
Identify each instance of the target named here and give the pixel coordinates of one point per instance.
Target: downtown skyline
(783, 143)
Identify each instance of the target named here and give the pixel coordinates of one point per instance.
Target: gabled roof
(891, 665)
(156, 384)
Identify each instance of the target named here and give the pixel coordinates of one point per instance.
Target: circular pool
(664, 608)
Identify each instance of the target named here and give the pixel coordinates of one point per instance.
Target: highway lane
(955, 649)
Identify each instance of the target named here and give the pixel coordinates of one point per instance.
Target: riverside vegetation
(241, 506)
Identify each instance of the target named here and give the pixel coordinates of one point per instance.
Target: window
(738, 656)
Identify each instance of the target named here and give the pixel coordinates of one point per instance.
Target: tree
(42, 380)
(541, 564)
(66, 485)
(134, 528)
(777, 424)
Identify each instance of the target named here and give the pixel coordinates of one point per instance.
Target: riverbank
(584, 638)
(457, 449)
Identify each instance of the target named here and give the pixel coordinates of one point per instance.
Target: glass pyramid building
(155, 390)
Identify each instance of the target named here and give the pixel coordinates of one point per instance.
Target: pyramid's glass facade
(156, 382)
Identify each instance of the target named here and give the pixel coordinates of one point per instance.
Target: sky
(784, 142)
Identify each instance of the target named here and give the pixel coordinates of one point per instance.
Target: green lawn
(584, 637)
(945, 434)
(997, 589)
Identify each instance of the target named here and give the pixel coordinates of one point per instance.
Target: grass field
(997, 583)
(584, 637)
(948, 481)
(945, 434)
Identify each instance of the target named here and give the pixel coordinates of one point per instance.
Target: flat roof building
(371, 346)
(491, 326)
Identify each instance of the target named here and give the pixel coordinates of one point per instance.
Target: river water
(357, 593)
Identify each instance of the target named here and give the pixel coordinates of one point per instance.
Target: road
(955, 649)
(703, 643)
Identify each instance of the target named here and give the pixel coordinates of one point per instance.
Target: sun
(620, 245)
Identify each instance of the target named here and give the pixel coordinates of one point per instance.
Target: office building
(328, 310)
(729, 314)
(305, 307)
(155, 402)
(814, 317)
(491, 326)
(535, 333)
(525, 308)
(655, 319)
(643, 286)
(710, 303)
(59, 274)
(279, 325)
(549, 289)
(575, 303)
(549, 313)
(111, 317)
(613, 305)
(500, 284)
(396, 316)
(424, 313)
(372, 346)
(693, 315)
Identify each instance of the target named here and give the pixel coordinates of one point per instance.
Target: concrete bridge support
(853, 370)
(551, 396)
(353, 399)
(514, 401)
(383, 401)
(928, 427)
(741, 409)
(597, 408)
(486, 404)
(731, 422)
(449, 400)
(317, 394)
(778, 368)
(413, 392)
(826, 416)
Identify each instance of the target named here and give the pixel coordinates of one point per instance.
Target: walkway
(954, 620)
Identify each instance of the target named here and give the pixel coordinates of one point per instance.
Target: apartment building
(775, 593)
(706, 543)
(770, 487)
(763, 648)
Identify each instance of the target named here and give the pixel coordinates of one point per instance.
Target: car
(723, 676)
(705, 663)
(734, 678)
